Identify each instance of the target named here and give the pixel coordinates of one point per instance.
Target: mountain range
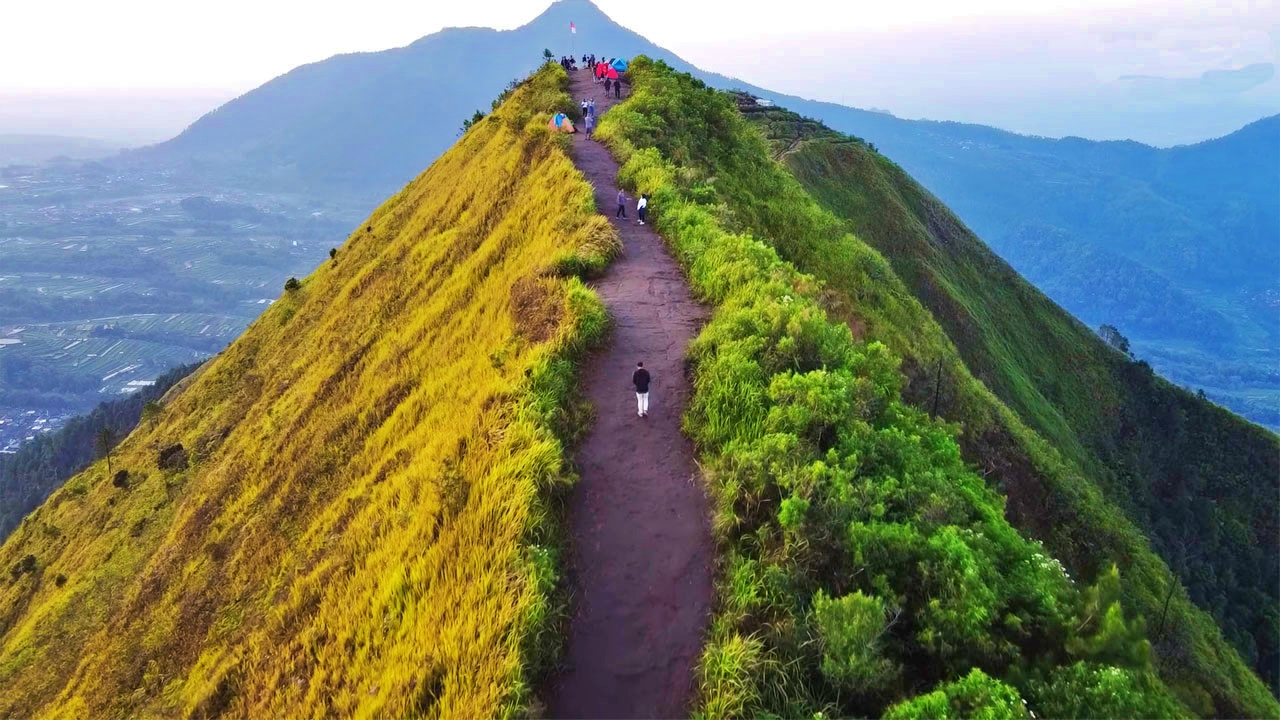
(929, 491)
(1178, 248)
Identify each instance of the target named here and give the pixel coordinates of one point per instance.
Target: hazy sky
(948, 59)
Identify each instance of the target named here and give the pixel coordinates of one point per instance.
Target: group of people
(567, 63)
(639, 378)
(642, 207)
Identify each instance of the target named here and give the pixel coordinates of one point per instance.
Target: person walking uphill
(622, 206)
(642, 208)
(640, 378)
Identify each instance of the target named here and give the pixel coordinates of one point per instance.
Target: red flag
(573, 28)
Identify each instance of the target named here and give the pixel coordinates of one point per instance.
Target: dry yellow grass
(363, 530)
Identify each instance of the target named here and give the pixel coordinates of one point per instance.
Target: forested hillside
(1202, 484)
(41, 465)
(349, 511)
(807, 485)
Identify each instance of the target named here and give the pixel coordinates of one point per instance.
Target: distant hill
(1178, 248)
(39, 149)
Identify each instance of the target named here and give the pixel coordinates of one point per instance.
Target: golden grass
(364, 529)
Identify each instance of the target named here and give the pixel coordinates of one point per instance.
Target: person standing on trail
(622, 205)
(591, 124)
(607, 84)
(617, 89)
(642, 208)
(583, 105)
(591, 107)
(640, 378)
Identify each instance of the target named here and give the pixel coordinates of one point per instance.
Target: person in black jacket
(640, 378)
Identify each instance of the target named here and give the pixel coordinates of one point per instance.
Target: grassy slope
(718, 165)
(364, 528)
(1199, 481)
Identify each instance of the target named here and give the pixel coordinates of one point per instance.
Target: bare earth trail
(641, 563)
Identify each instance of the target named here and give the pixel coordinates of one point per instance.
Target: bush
(121, 479)
(173, 457)
(851, 628)
(1087, 690)
(977, 696)
(292, 284)
(60, 580)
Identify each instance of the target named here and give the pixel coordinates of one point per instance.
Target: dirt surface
(640, 566)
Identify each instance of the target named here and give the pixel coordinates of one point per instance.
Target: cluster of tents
(604, 71)
(610, 70)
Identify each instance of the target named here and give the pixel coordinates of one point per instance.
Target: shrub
(26, 566)
(1088, 690)
(173, 457)
(292, 284)
(851, 629)
(977, 696)
(60, 580)
(121, 479)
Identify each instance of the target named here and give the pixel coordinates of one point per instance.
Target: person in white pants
(640, 378)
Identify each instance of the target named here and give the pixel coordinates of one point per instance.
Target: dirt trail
(640, 567)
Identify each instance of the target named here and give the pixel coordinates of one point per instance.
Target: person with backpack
(642, 207)
(640, 378)
(622, 206)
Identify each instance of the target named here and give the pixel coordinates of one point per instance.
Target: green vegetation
(349, 511)
(864, 561)
(1203, 485)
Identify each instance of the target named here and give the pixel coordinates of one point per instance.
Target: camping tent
(611, 73)
(620, 65)
(561, 123)
(602, 69)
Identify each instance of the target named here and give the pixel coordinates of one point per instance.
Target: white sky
(138, 71)
(78, 45)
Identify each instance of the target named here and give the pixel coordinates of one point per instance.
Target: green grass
(826, 474)
(367, 524)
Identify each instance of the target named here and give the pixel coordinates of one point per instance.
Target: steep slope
(349, 511)
(1202, 484)
(1197, 223)
(863, 563)
(41, 465)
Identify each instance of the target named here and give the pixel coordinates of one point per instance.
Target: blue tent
(620, 65)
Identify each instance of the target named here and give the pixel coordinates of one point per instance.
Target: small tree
(292, 284)
(547, 55)
(470, 122)
(151, 413)
(106, 441)
(333, 253)
(1111, 335)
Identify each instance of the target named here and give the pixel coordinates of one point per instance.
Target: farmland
(110, 277)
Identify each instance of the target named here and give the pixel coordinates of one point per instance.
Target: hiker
(640, 378)
(622, 206)
(617, 89)
(591, 124)
(583, 105)
(591, 106)
(607, 84)
(642, 207)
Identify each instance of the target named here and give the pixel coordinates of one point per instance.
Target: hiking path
(640, 565)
